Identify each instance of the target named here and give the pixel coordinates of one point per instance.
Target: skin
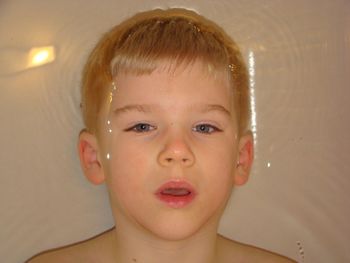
(173, 133)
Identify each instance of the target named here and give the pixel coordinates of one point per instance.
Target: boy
(165, 104)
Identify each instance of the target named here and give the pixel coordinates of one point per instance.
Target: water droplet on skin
(109, 123)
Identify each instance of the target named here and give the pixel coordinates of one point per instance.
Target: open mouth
(176, 194)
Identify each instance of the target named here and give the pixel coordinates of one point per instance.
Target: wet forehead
(147, 108)
(195, 82)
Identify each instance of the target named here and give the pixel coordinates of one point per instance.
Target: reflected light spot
(269, 164)
(19, 59)
(251, 71)
(41, 56)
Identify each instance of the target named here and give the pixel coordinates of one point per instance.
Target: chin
(178, 228)
(175, 232)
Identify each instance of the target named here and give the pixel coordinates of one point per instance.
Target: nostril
(168, 158)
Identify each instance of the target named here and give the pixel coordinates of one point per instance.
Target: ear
(89, 160)
(245, 159)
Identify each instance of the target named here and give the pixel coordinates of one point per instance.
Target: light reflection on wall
(40, 56)
(251, 71)
(14, 59)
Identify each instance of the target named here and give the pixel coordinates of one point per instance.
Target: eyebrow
(134, 107)
(145, 108)
(215, 107)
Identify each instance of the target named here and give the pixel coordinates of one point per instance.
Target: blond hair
(139, 44)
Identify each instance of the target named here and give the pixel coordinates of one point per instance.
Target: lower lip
(176, 201)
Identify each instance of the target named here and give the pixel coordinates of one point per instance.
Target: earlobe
(89, 161)
(245, 159)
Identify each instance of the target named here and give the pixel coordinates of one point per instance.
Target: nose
(176, 152)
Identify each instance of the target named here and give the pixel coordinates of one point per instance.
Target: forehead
(183, 86)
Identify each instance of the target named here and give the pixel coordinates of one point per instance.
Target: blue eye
(205, 128)
(141, 127)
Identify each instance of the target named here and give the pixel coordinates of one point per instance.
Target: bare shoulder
(84, 251)
(231, 250)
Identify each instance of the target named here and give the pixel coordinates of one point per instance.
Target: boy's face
(173, 150)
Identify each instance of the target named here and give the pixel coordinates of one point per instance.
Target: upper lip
(173, 184)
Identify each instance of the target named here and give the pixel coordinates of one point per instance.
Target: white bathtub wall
(296, 202)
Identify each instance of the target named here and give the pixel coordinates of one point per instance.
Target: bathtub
(298, 57)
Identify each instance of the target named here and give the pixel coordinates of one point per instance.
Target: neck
(134, 245)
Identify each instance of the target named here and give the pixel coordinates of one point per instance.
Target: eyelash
(201, 128)
(140, 128)
(206, 128)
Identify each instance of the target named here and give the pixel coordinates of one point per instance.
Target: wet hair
(145, 41)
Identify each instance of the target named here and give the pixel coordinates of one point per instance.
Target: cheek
(221, 177)
(127, 173)
(220, 157)
(219, 167)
